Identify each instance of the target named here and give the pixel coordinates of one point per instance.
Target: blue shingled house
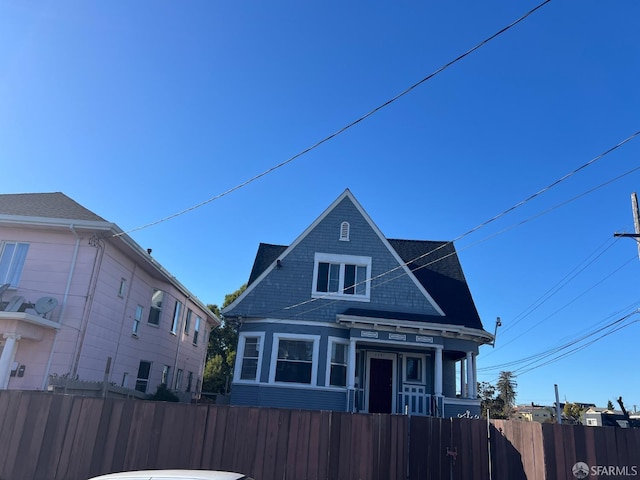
(345, 319)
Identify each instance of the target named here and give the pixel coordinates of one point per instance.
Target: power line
(487, 222)
(346, 127)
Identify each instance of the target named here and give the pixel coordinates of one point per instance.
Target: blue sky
(138, 110)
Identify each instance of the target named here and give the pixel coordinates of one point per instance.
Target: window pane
(414, 369)
(249, 369)
(156, 307)
(338, 375)
(323, 277)
(361, 277)
(12, 261)
(349, 279)
(251, 346)
(339, 353)
(334, 277)
(294, 372)
(294, 361)
(295, 350)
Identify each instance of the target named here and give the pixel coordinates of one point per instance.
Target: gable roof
(345, 195)
(45, 205)
(432, 265)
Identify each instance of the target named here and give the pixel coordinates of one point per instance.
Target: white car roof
(172, 475)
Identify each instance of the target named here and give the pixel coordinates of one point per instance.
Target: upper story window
(12, 261)
(196, 330)
(123, 287)
(344, 276)
(176, 318)
(344, 231)
(187, 321)
(137, 319)
(156, 307)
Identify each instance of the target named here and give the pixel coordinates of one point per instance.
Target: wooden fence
(55, 437)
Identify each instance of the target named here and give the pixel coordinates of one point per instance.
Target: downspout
(124, 318)
(179, 335)
(96, 242)
(45, 380)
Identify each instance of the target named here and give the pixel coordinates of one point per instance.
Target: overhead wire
(533, 360)
(346, 127)
(489, 221)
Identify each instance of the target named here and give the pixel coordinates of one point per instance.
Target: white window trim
(360, 261)
(314, 359)
(122, 290)
(240, 356)
(327, 381)
(3, 245)
(423, 380)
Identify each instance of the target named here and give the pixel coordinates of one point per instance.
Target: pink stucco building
(82, 300)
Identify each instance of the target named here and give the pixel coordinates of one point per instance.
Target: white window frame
(423, 358)
(177, 313)
(187, 321)
(137, 320)
(15, 264)
(196, 330)
(330, 343)
(123, 288)
(342, 260)
(240, 356)
(314, 359)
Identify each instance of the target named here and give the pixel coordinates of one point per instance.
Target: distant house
(603, 417)
(532, 413)
(345, 319)
(81, 300)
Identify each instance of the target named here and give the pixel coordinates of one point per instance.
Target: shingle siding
(291, 285)
(287, 397)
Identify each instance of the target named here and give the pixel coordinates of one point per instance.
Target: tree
(573, 412)
(507, 390)
(610, 405)
(490, 404)
(221, 351)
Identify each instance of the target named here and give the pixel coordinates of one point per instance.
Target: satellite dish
(45, 304)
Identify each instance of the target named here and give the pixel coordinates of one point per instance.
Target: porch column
(8, 354)
(351, 377)
(470, 375)
(463, 381)
(437, 377)
(474, 394)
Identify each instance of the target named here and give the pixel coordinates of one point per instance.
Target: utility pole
(636, 222)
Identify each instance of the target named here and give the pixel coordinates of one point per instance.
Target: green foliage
(490, 403)
(610, 405)
(572, 412)
(163, 394)
(221, 351)
(507, 390)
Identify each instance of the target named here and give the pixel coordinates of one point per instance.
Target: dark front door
(380, 385)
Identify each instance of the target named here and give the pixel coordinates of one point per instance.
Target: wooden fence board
(33, 429)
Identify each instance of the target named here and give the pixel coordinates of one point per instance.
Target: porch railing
(414, 400)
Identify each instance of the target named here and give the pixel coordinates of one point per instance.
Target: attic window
(343, 276)
(344, 231)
